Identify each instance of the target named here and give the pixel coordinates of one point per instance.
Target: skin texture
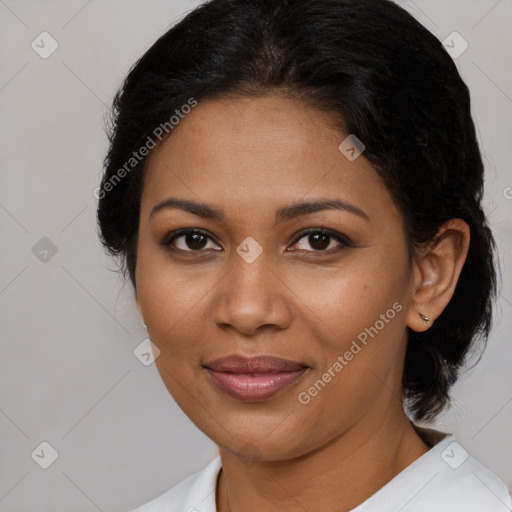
(249, 157)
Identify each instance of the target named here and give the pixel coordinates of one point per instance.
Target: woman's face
(260, 281)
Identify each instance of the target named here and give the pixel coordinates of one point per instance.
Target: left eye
(320, 240)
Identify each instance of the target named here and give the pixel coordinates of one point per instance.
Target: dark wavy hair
(381, 76)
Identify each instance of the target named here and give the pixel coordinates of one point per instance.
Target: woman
(294, 190)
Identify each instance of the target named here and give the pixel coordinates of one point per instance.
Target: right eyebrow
(200, 209)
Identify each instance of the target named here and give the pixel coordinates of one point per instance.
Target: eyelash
(343, 240)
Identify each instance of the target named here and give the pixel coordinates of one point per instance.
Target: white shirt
(445, 479)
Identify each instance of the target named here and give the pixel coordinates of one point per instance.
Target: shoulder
(464, 483)
(445, 479)
(194, 494)
(467, 485)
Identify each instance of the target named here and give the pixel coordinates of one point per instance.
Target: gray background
(68, 375)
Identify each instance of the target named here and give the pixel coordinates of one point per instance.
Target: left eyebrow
(283, 214)
(307, 207)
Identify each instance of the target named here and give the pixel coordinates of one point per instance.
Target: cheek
(172, 302)
(356, 323)
(340, 303)
(358, 328)
(173, 310)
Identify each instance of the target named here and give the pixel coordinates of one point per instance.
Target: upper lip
(248, 365)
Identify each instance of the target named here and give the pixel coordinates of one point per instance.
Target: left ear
(436, 271)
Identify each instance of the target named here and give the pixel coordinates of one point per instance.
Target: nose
(252, 297)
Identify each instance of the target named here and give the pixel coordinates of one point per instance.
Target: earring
(425, 318)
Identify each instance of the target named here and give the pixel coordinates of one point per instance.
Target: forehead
(258, 152)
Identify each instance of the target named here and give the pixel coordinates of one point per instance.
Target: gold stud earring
(425, 318)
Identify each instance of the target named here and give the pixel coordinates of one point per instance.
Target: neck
(336, 477)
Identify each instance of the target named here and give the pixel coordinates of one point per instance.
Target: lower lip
(254, 387)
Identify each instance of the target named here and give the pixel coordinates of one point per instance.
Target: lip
(252, 379)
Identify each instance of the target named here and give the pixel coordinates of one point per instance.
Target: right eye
(190, 240)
